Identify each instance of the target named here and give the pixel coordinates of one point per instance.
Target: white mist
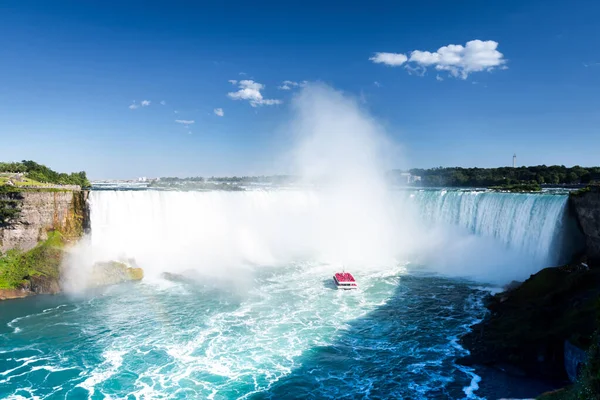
(344, 216)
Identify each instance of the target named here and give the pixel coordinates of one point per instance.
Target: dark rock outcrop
(585, 205)
(528, 325)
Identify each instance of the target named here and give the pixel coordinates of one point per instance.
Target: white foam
(113, 359)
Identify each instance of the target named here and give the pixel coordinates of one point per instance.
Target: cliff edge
(39, 212)
(35, 227)
(585, 205)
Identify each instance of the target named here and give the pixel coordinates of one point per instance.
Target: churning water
(256, 315)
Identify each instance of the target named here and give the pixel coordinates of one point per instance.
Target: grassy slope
(43, 260)
(26, 181)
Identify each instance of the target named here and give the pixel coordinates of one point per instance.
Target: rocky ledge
(114, 272)
(527, 326)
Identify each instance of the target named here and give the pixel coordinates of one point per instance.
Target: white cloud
(289, 85)
(391, 59)
(176, 112)
(163, 103)
(439, 78)
(133, 106)
(185, 121)
(377, 84)
(219, 112)
(233, 81)
(458, 60)
(243, 74)
(145, 103)
(250, 90)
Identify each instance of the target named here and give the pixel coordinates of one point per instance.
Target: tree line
(539, 174)
(41, 173)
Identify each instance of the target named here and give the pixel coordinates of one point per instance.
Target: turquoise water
(247, 329)
(289, 335)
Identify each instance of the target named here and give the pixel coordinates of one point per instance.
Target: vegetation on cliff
(37, 173)
(581, 192)
(17, 268)
(9, 205)
(587, 385)
(485, 177)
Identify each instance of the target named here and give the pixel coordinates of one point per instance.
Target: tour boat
(344, 280)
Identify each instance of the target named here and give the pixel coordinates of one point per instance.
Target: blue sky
(70, 70)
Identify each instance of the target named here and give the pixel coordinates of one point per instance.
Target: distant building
(142, 179)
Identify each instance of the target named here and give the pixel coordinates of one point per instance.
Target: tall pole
(515, 160)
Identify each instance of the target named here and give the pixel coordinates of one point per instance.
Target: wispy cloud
(243, 74)
(135, 106)
(289, 85)
(593, 64)
(417, 70)
(232, 81)
(377, 84)
(390, 59)
(250, 90)
(185, 121)
(163, 103)
(219, 112)
(439, 78)
(458, 60)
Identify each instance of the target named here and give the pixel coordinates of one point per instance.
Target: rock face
(33, 238)
(527, 327)
(585, 205)
(41, 212)
(36, 238)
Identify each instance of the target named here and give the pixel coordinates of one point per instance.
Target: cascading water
(533, 224)
(216, 232)
(209, 231)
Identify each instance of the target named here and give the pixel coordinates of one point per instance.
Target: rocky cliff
(34, 228)
(585, 205)
(36, 231)
(40, 212)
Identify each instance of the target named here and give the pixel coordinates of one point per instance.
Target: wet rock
(9, 294)
(112, 273)
(527, 326)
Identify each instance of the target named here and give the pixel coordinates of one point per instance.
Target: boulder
(112, 273)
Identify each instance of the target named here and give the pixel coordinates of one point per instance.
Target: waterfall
(216, 229)
(533, 224)
(213, 231)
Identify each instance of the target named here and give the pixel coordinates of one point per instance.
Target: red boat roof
(344, 277)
